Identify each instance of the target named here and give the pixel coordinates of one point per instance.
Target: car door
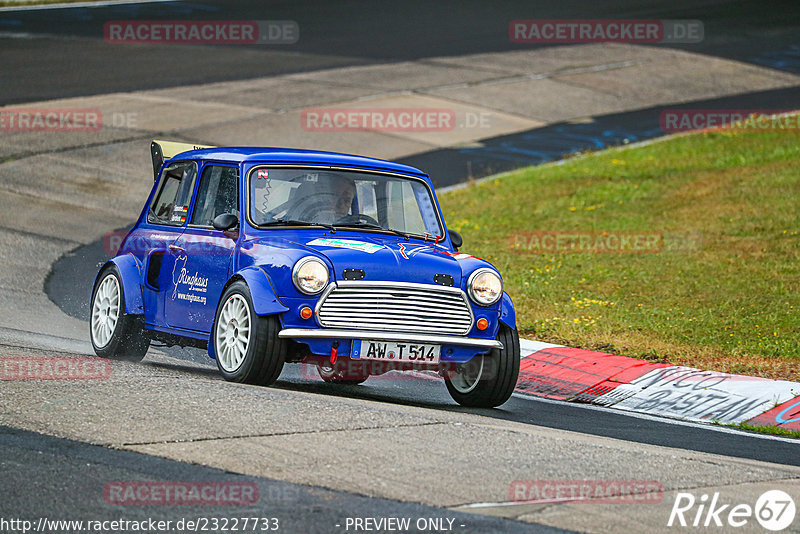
(200, 260)
(163, 226)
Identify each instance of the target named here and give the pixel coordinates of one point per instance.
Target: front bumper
(329, 333)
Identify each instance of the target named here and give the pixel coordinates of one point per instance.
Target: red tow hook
(334, 352)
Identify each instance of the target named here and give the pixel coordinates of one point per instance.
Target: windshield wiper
(362, 224)
(295, 222)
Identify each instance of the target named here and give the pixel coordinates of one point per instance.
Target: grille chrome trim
(395, 306)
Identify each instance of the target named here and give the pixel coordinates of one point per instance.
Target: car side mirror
(455, 239)
(225, 221)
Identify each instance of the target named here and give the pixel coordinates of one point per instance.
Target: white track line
(666, 420)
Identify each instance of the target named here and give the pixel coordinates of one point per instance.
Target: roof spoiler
(161, 151)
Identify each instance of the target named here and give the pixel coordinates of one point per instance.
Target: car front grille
(395, 307)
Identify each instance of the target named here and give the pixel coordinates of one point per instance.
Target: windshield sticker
(369, 248)
(263, 174)
(179, 213)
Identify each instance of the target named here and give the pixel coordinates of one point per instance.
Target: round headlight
(310, 275)
(485, 287)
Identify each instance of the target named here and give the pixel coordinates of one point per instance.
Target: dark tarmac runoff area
(69, 57)
(304, 455)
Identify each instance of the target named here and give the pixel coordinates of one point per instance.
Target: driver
(325, 200)
(343, 191)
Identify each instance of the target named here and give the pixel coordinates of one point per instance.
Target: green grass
(772, 430)
(723, 293)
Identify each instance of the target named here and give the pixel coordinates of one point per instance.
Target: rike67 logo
(774, 510)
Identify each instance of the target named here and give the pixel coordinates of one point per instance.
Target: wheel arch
(508, 316)
(130, 272)
(265, 300)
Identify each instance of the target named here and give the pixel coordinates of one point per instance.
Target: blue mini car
(271, 255)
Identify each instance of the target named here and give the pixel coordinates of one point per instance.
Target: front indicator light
(482, 323)
(306, 312)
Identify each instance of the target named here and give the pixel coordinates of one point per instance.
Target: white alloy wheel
(232, 337)
(246, 345)
(467, 375)
(105, 311)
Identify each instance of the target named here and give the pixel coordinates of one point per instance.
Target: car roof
(295, 156)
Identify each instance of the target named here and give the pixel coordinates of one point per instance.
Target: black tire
(126, 339)
(264, 353)
(345, 372)
(496, 374)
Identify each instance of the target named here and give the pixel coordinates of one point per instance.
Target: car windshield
(341, 198)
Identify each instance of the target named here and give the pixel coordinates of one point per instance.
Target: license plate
(395, 352)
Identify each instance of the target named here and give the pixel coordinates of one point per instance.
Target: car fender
(508, 316)
(265, 301)
(131, 273)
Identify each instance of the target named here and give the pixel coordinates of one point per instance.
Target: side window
(217, 193)
(172, 201)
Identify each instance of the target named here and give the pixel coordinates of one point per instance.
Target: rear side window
(171, 204)
(217, 193)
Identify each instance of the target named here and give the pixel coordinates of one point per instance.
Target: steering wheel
(357, 218)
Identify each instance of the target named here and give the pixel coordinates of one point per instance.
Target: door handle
(176, 248)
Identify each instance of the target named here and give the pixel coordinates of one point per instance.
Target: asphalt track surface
(449, 166)
(61, 53)
(565, 416)
(82, 469)
(75, 272)
(72, 59)
(399, 32)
